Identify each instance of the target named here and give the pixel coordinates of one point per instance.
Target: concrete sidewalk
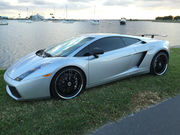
(162, 119)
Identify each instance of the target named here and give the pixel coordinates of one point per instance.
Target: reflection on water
(19, 38)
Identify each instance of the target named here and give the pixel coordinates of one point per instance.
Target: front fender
(57, 64)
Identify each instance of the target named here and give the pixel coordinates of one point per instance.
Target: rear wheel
(68, 83)
(159, 64)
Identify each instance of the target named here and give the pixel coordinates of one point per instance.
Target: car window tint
(130, 41)
(108, 44)
(83, 52)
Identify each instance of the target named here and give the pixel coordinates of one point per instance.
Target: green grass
(91, 109)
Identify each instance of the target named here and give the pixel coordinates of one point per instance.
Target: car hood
(25, 64)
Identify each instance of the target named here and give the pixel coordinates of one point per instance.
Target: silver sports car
(66, 69)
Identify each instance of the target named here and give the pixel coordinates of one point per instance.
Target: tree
(159, 18)
(177, 18)
(170, 17)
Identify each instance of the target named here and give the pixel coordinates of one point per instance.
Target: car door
(110, 65)
(140, 50)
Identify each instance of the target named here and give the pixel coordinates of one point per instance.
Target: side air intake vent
(14, 92)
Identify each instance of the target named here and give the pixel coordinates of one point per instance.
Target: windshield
(67, 47)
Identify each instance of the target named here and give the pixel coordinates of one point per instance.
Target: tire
(159, 64)
(68, 83)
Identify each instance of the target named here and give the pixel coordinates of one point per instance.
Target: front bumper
(28, 89)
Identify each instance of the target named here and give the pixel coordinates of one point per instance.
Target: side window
(108, 44)
(83, 52)
(130, 41)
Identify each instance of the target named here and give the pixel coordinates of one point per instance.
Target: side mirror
(96, 51)
(143, 42)
(40, 52)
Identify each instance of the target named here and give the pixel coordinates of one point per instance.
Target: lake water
(19, 38)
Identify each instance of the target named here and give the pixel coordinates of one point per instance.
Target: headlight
(22, 76)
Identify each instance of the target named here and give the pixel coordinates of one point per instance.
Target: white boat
(94, 22)
(29, 21)
(56, 21)
(3, 22)
(68, 21)
(123, 21)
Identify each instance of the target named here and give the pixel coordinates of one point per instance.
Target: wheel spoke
(160, 64)
(69, 83)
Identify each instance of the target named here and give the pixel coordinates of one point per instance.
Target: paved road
(162, 119)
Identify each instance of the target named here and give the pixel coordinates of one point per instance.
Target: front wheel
(159, 64)
(68, 83)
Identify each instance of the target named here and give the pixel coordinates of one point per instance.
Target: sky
(91, 9)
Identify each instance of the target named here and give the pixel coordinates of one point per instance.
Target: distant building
(3, 17)
(36, 17)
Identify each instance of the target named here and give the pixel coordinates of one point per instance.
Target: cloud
(81, 1)
(118, 2)
(36, 2)
(101, 5)
(42, 2)
(23, 1)
(156, 4)
(145, 4)
(3, 5)
(74, 6)
(80, 4)
(23, 4)
(70, 4)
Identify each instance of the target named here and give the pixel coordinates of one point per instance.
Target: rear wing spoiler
(152, 35)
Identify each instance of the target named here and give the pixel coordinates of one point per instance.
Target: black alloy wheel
(68, 83)
(159, 64)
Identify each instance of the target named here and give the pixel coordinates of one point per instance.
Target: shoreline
(175, 46)
(166, 21)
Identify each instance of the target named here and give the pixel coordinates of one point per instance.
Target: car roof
(102, 35)
(98, 36)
